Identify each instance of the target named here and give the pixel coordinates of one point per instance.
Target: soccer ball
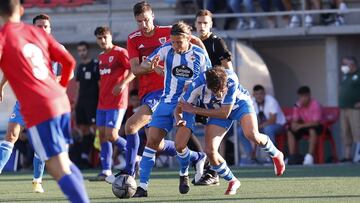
(124, 186)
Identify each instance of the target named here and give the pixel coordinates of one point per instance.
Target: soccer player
(87, 77)
(140, 44)
(115, 77)
(25, 57)
(16, 122)
(183, 62)
(226, 101)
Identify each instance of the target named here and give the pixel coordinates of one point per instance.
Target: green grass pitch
(328, 183)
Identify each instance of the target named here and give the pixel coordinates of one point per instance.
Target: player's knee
(180, 147)
(131, 127)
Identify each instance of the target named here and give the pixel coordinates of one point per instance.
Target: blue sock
(196, 156)
(39, 167)
(184, 161)
(106, 155)
(5, 153)
(75, 170)
(270, 148)
(121, 144)
(169, 148)
(224, 171)
(132, 146)
(73, 188)
(146, 164)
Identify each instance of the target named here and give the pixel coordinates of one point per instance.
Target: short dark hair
(180, 28)
(258, 87)
(83, 43)
(216, 78)
(203, 12)
(134, 92)
(141, 7)
(352, 59)
(101, 30)
(7, 7)
(41, 16)
(304, 90)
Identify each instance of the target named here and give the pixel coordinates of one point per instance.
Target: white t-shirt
(273, 107)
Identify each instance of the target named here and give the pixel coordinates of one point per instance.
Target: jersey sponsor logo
(162, 40)
(105, 71)
(111, 58)
(36, 57)
(182, 71)
(141, 46)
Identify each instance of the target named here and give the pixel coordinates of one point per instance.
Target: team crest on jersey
(182, 71)
(162, 40)
(192, 57)
(111, 58)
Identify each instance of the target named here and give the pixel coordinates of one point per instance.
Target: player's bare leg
(250, 128)
(213, 136)
(6, 147)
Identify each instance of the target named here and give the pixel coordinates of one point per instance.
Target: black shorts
(85, 113)
(305, 131)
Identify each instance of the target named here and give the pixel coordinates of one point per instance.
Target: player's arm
(124, 58)
(197, 41)
(62, 56)
(223, 112)
(136, 68)
(3, 83)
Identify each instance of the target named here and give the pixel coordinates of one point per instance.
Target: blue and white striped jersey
(180, 69)
(198, 90)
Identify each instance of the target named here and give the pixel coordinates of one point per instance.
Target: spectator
(349, 103)
(339, 4)
(305, 121)
(87, 77)
(270, 117)
(235, 7)
(266, 7)
(308, 21)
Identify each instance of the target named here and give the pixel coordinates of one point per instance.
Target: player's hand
(159, 71)
(187, 107)
(118, 89)
(155, 62)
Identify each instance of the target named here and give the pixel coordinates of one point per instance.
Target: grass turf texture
(328, 183)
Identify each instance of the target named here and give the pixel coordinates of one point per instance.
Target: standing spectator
(339, 4)
(305, 121)
(87, 77)
(235, 6)
(349, 103)
(308, 21)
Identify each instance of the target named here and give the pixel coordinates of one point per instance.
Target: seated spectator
(305, 121)
(270, 117)
(235, 7)
(339, 4)
(308, 21)
(266, 7)
(349, 103)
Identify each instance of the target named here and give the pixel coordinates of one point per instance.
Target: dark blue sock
(73, 189)
(106, 155)
(132, 145)
(169, 148)
(121, 144)
(75, 170)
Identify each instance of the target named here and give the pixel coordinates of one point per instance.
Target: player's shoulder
(232, 77)
(165, 28)
(118, 49)
(134, 35)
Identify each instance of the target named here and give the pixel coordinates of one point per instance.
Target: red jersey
(26, 53)
(113, 67)
(141, 46)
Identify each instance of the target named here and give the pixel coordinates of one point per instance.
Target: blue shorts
(16, 116)
(111, 118)
(151, 99)
(244, 107)
(51, 137)
(163, 117)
